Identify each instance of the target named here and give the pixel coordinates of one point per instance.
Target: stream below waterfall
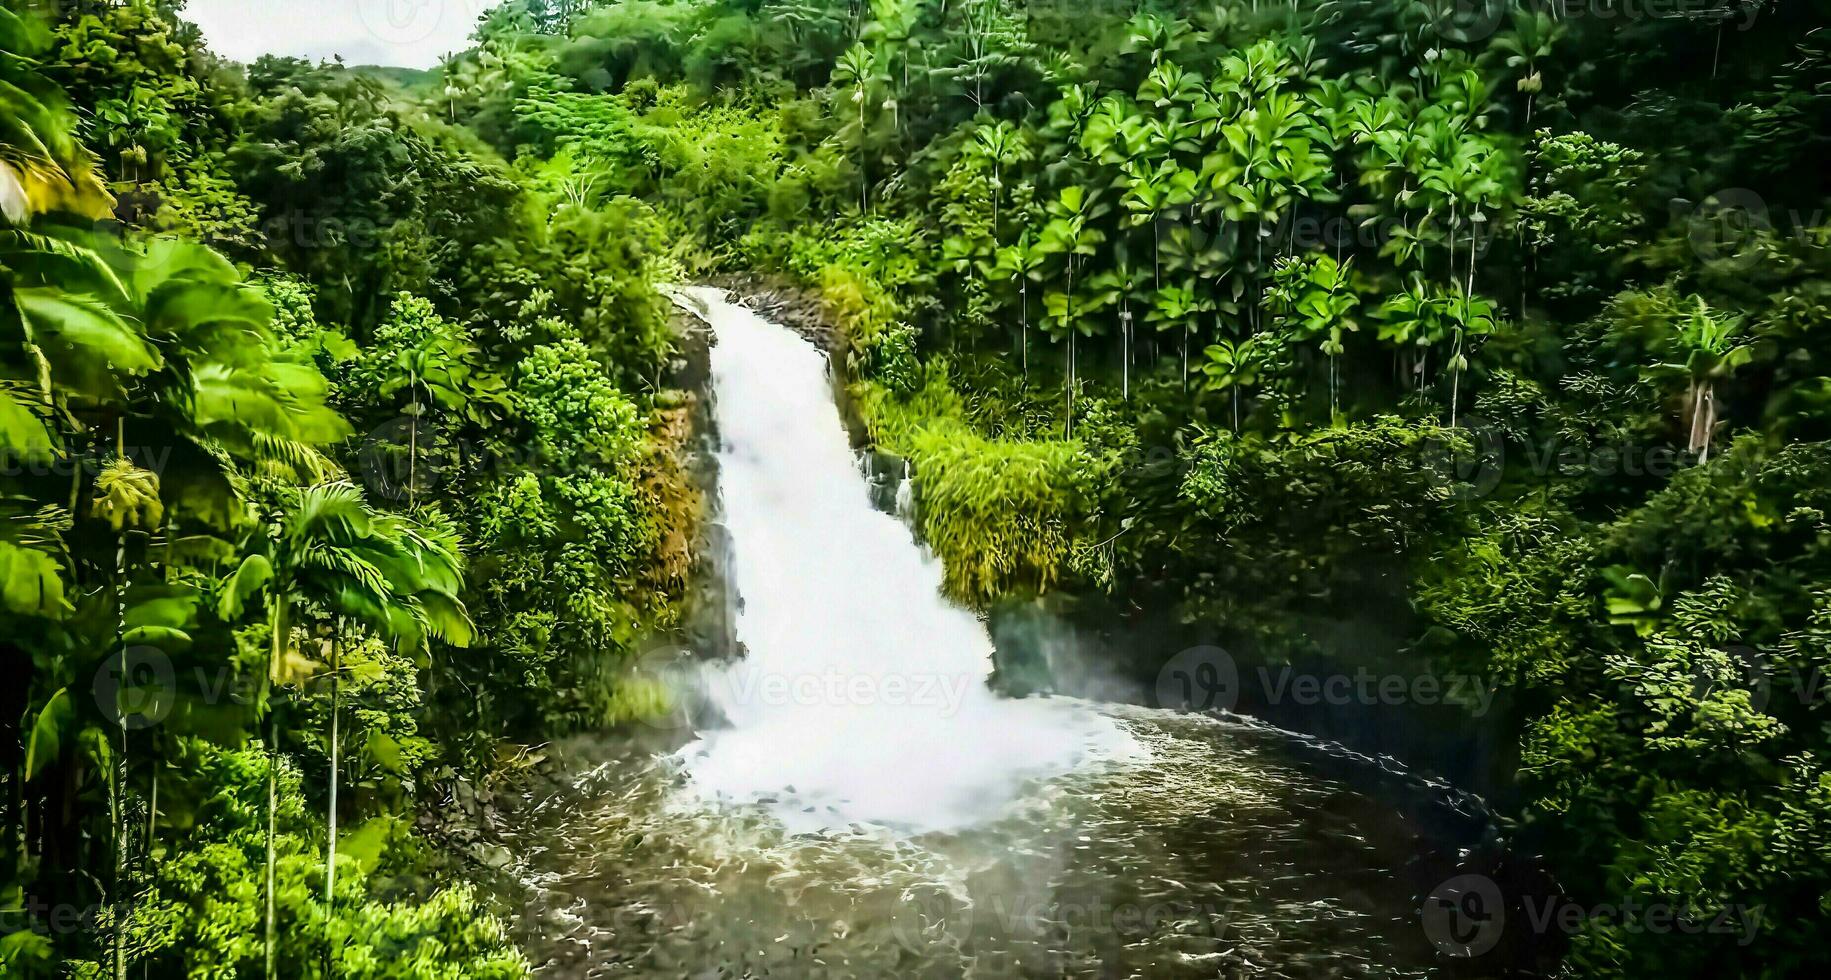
(849, 798)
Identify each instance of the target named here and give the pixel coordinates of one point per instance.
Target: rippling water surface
(1219, 854)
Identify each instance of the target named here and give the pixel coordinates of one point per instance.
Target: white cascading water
(862, 696)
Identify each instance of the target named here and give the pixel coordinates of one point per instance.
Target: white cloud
(404, 33)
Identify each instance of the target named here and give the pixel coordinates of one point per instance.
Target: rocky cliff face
(709, 607)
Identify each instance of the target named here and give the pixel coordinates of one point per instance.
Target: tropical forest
(915, 488)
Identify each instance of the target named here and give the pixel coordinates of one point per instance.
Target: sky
(399, 33)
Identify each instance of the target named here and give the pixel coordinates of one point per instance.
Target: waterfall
(862, 696)
(905, 495)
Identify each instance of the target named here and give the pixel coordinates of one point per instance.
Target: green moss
(1000, 513)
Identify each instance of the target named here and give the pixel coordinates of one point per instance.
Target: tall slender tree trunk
(1125, 350)
(1710, 420)
(1068, 321)
(1023, 323)
(1455, 376)
(118, 771)
(1186, 331)
(413, 440)
(997, 192)
(1334, 387)
(1156, 253)
(1701, 397)
(1469, 292)
(1453, 227)
(273, 764)
(330, 859)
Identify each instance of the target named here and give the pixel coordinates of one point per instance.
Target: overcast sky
(403, 33)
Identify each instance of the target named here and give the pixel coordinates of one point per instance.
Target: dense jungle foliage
(337, 474)
(1447, 335)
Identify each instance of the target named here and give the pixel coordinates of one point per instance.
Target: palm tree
(1002, 145)
(1205, 259)
(1160, 35)
(1232, 365)
(1022, 263)
(327, 547)
(1413, 320)
(1070, 233)
(1123, 281)
(1177, 307)
(1315, 298)
(1707, 348)
(858, 69)
(1533, 38)
(1151, 193)
(1470, 316)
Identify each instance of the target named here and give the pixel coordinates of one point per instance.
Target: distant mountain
(407, 79)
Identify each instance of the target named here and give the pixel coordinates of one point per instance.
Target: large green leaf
(164, 637)
(173, 606)
(86, 323)
(365, 845)
(31, 582)
(27, 951)
(384, 751)
(254, 572)
(23, 436)
(46, 742)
